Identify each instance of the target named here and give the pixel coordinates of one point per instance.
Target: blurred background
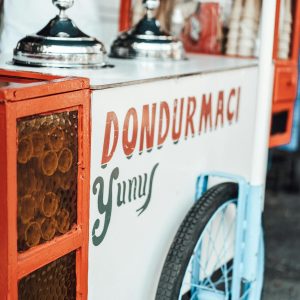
(282, 227)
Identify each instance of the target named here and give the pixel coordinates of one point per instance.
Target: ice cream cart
(144, 181)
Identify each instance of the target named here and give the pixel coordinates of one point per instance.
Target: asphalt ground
(282, 228)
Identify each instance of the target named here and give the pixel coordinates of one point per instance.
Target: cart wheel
(199, 264)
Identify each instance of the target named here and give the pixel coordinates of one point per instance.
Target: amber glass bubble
(55, 281)
(47, 169)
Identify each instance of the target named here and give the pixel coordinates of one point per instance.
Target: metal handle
(63, 5)
(151, 6)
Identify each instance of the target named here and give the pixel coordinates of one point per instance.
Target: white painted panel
(128, 262)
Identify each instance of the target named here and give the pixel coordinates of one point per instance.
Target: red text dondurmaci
(153, 124)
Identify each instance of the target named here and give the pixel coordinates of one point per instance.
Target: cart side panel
(56, 124)
(146, 155)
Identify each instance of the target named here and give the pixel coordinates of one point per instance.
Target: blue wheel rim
(210, 269)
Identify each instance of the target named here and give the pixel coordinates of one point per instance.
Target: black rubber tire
(187, 237)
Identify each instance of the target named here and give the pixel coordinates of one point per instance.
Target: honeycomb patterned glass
(47, 162)
(55, 281)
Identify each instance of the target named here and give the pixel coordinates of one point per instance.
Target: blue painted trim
(248, 229)
(253, 228)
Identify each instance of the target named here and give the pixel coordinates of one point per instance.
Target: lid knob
(63, 4)
(150, 6)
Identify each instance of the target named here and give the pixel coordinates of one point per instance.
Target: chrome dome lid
(147, 40)
(60, 44)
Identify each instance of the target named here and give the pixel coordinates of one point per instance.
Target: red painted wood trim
(43, 88)
(82, 268)
(28, 75)
(125, 15)
(17, 79)
(11, 199)
(3, 206)
(48, 104)
(42, 255)
(41, 85)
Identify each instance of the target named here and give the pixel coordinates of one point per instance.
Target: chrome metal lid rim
(58, 65)
(136, 50)
(28, 52)
(62, 60)
(36, 45)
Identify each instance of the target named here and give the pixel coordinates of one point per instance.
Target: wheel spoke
(210, 270)
(222, 278)
(224, 245)
(209, 231)
(207, 279)
(224, 249)
(225, 280)
(245, 295)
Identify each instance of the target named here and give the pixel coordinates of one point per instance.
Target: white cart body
(215, 134)
(155, 128)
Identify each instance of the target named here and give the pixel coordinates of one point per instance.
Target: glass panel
(47, 162)
(55, 281)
